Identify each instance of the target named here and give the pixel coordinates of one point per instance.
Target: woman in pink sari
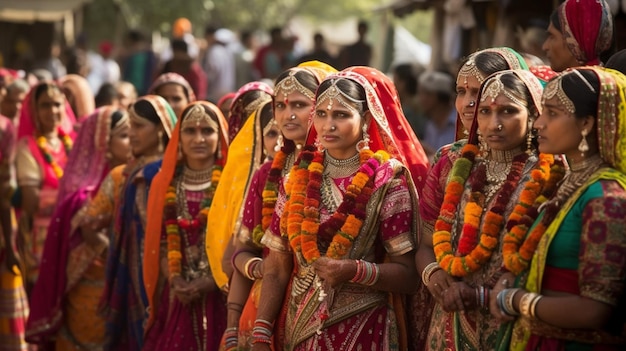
(64, 301)
(45, 139)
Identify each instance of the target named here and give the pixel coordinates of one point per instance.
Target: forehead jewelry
(197, 115)
(291, 84)
(555, 88)
(494, 87)
(334, 93)
(469, 69)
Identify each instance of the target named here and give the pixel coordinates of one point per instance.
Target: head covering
(587, 28)
(513, 59)
(156, 200)
(28, 115)
(78, 87)
(238, 113)
(163, 109)
(389, 130)
(172, 78)
(225, 98)
(87, 163)
(532, 83)
(180, 27)
(543, 73)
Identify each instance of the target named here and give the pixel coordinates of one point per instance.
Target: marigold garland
(173, 222)
(42, 143)
(518, 248)
(302, 215)
(476, 244)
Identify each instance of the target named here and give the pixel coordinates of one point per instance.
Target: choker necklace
(594, 162)
(341, 168)
(497, 168)
(196, 179)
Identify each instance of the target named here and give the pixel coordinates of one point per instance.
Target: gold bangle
(508, 300)
(525, 302)
(428, 272)
(533, 306)
(247, 265)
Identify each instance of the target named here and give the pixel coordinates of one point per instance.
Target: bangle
(231, 338)
(482, 296)
(505, 301)
(533, 306)
(250, 264)
(525, 303)
(428, 272)
(367, 273)
(262, 332)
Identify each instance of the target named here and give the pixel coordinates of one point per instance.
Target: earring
(584, 145)
(529, 138)
(218, 152)
(279, 143)
(364, 144)
(160, 136)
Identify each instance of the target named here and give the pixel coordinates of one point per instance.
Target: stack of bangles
(482, 296)
(427, 273)
(367, 273)
(249, 269)
(527, 304)
(262, 332)
(231, 338)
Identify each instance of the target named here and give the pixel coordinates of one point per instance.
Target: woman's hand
(505, 282)
(439, 282)
(459, 297)
(181, 290)
(200, 287)
(334, 272)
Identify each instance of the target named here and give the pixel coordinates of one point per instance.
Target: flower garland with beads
(173, 223)
(42, 143)
(270, 192)
(518, 247)
(302, 213)
(477, 242)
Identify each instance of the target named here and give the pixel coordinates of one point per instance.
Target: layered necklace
(44, 146)
(480, 232)
(336, 169)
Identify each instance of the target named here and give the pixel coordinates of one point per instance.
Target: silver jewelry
(472, 103)
(500, 126)
(292, 117)
(333, 128)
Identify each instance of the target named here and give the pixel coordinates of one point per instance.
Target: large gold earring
(160, 136)
(584, 145)
(364, 144)
(529, 138)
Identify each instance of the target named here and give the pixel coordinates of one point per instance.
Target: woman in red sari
(342, 246)
(45, 139)
(65, 299)
(187, 308)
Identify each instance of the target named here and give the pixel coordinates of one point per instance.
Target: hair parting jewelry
(469, 69)
(555, 88)
(291, 84)
(196, 115)
(334, 93)
(494, 87)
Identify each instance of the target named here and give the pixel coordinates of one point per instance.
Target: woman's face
(467, 88)
(558, 131)
(339, 128)
(198, 140)
(557, 52)
(50, 110)
(174, 94)
(292, 115)
(270, 138)
(502, 123)
(144, 136)
(119, 145)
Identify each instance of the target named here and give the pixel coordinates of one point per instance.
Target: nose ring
(500, 126)
(292, 117)
(333, 128)
(472, 103)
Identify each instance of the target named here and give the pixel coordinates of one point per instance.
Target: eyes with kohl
(291, 113)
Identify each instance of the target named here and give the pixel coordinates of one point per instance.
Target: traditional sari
(79, 95)
(172, 325)
(33, 169)
(357, 316)
(581, 251)
(245, 156)
(65, 299)
(239, 113)
(124, 300)
(476, 329)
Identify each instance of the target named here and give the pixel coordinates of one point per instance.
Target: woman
(124, 299)
(570, 263)
(174, 89)
(580, 33)
(45, 139)
(247, 99)
(244, 158)
(189, 313)
(358, 198)
(293, 101)
(473, 72)
(79, 95)
(481, 191)
(65, 299)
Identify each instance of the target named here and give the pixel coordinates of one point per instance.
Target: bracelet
(505, 301)
(528, 300)
(367, 273)
(482, 296)
(533, 306)
(231, 338)
(261, 332)
(428, 272)
(250, 265)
